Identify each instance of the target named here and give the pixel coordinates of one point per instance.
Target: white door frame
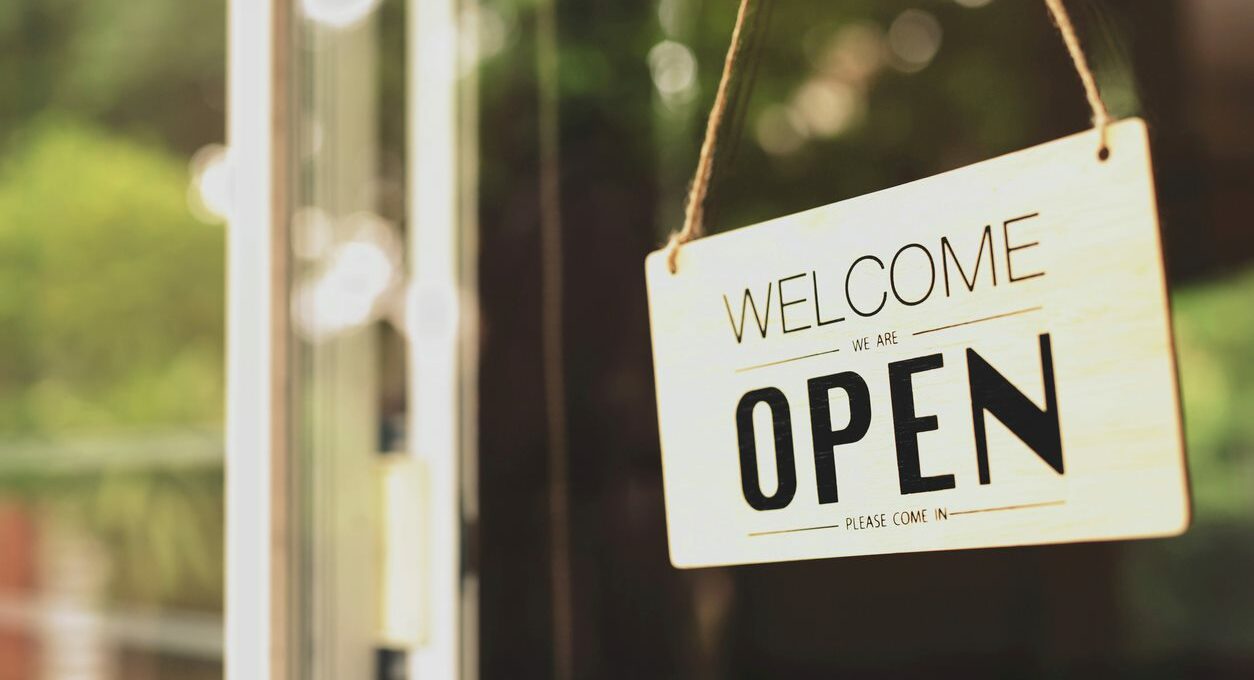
(442, 331)
(256, 549)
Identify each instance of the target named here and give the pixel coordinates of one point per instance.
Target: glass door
(351, 251)
(393, 494)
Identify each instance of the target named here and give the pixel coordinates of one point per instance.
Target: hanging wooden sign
(978, 359)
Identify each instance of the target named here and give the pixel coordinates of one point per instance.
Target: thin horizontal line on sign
(784, 361)
(789, 531)
(1009, 507)
(987, 318)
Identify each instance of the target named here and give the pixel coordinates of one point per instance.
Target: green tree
(113, 312)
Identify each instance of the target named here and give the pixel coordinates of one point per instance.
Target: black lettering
(849, 275)
(1005, 231)
(907, 426)
(785, 467)
(783, 306)
(825, 438)
(1039, 429)
(892, 274)
(947, 251)
(744, 304)
(818, 315)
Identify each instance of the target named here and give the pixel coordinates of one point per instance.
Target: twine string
(1101, 116)
(694, 210)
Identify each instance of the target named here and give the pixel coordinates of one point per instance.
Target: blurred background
(111, 339)
(114, 189)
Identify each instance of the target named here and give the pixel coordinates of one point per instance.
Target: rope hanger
(694, 211)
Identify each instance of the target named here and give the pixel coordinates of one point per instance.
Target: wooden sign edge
(652, 261)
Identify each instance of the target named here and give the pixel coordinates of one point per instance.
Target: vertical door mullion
(257, 559)
(438, 325)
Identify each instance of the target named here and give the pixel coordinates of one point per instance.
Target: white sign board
(982, 358)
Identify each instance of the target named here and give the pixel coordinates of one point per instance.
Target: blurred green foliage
(113, 307)
(111, 293)
(147, 70)
(1214, 327)
(1188, 595)
(162, 528)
